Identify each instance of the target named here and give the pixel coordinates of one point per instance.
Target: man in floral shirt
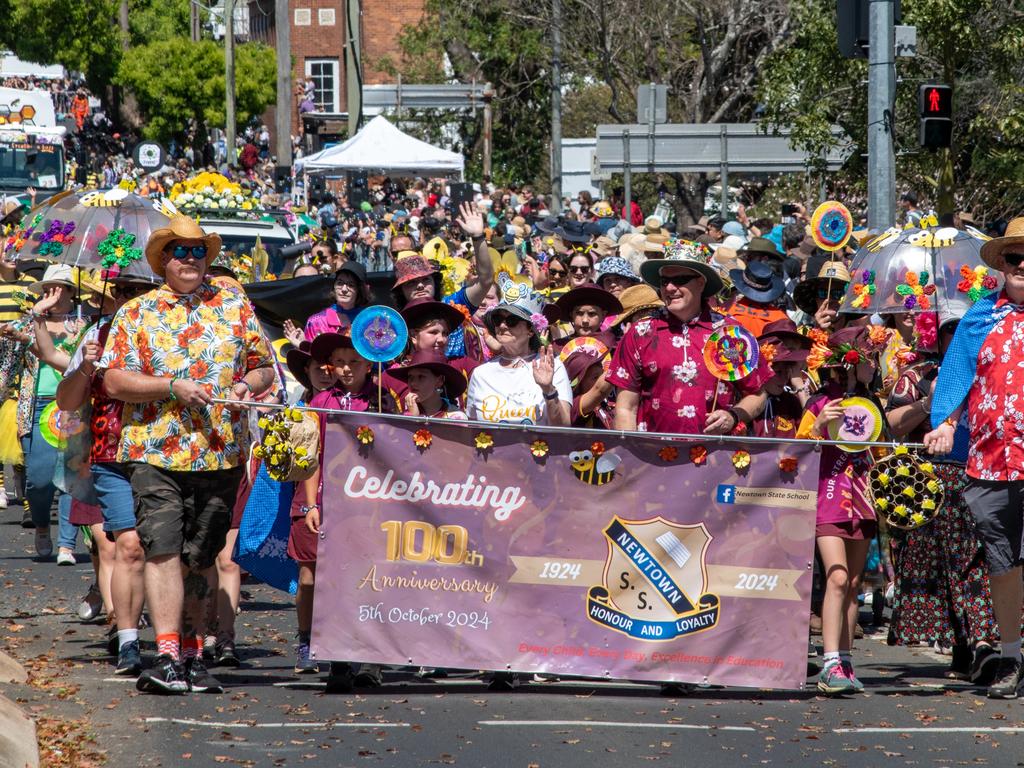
(169, 354)
(984, 367)
(658, 367)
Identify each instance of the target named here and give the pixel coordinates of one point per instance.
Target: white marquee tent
(381, 148)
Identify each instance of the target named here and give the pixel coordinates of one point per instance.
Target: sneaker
(199, 679)
(984, 666)
(65, 557)
(1007, 680)
(226, 655)
(209, 647)
(504, 681)
(3, 499)
(44, 544)
(848, 671)
(304, 665)
(166, 676)
(129, 659)
(369, 676)
(113, 643)
(26, 516)
(833, 680)
(340, 678)
(91, 605)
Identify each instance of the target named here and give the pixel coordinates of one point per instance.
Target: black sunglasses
(835, 294)
(182, 252)
(556, 272)
(581, 270)
(677, 280)
(1014, 259)
(510, 321)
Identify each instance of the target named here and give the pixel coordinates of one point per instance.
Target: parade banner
(469, 546)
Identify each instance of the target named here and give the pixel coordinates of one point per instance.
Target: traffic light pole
(881, 101)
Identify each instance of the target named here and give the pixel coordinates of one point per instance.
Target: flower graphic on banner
(597, 447)
(741, 459)
(483, 441)
(422, 439)
(864, 290)
(539, 448)
(916, 290)
(975, 282)
(788, 463)
(364, 435)
(699, 455)
(668, 453)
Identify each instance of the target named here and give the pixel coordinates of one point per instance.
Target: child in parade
(352, 389)
(846, 521)
(433, 386)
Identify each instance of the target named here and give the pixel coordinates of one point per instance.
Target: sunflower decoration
(741, 460)
(364, 435)
(539, 449)
(290, 445)
(699, 455)
(483, 441)
(422, 439)
(118, 251)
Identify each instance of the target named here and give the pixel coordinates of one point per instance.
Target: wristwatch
(304, 509)
(552, 396)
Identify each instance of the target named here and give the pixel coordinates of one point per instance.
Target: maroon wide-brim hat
(297, 360)
(325, 344)
(783, 353)
(454, 382)
(419, 312)
(588, 293)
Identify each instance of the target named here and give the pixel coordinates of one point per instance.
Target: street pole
(881, 97)
(353, 62)
(488, 129)
(285, 109)
(723, 138)
(229, 79)
(556, 106)
(193, 18)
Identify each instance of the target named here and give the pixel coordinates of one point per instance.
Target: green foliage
(176, 80)
(152, 20)
(79, 34)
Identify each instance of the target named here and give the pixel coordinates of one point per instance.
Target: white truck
(31, 144)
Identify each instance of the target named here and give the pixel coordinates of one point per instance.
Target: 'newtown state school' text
(470, 493)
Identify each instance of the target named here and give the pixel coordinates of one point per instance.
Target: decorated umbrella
(919, 270)
(97, 229)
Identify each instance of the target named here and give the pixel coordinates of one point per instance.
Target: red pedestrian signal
(935, 104)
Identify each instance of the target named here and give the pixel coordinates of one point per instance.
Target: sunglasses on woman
(579, 270)
(556, 273)
(182, 252)
(836, 294)
(510, 321)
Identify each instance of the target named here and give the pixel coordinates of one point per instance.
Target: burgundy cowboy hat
(419, 311)
(297, 360)
(454, 382)
(588, 293)
(413, 268)
(783, 353)
(324, 344)
(786, 330)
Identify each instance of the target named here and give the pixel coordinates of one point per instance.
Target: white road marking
(952, 729)
(215, 724)
(615, 724)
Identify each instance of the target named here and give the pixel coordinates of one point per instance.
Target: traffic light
(935, 104)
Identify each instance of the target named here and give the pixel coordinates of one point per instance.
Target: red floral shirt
(662, 359)
(995, 403)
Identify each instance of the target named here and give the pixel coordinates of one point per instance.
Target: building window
(324, 74)
(325, 17)
(303, 17)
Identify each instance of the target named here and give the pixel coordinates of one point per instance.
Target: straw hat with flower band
(852, 346)
(684, 253)
(994, 251)
(637, 299)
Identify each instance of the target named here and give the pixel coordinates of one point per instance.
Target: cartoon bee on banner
(594, 468)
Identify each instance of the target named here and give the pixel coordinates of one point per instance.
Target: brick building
(318, 39)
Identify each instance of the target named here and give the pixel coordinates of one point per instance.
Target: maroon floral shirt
(662, 359)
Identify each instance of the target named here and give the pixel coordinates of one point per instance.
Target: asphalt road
(908, 716)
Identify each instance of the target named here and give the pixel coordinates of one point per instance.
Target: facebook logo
(726, 494)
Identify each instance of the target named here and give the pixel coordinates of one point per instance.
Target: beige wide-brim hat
(179, 227)
(992, 251)
(55, 274)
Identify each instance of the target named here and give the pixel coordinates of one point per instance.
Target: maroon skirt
(853, 530)
(85, 514)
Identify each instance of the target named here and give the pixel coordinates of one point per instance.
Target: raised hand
(470, 220)
(544, 368)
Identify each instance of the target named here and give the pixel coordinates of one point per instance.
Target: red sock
(192, 647)
(167, 645)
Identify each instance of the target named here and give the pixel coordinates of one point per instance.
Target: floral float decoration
(290, 444)
(56, 239)
(864, 290)
(422, 439)
(975, 282)
(916, 291)
(117, 251)
(210, 190)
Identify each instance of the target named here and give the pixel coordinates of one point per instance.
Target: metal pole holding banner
(724, 171)
(556, 106)
(881, 97)
(627, 180)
